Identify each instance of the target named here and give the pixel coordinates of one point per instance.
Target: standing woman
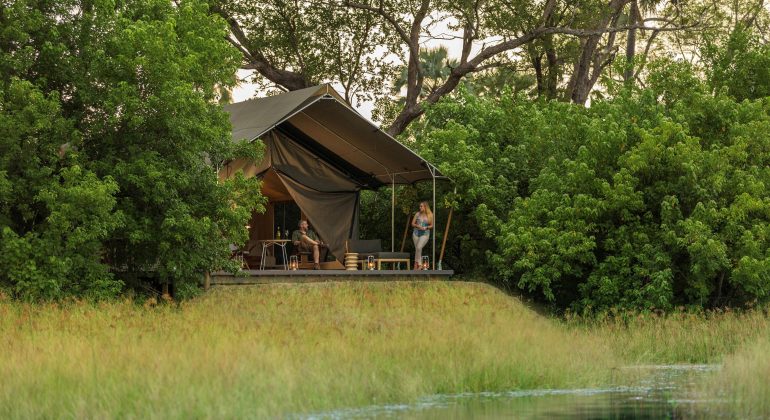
(422, 222)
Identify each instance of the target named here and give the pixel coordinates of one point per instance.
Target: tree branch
(409, 113)
(254, 58)
(382, 13)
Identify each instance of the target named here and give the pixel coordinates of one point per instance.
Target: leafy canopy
(653, 199)
(112, 137)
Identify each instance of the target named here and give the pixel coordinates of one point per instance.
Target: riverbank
(282, 349)
(275, 350)
(743, 383)
(679, 337)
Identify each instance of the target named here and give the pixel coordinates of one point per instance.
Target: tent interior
(319, 154)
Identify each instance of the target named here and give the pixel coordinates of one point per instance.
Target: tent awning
(319, 119)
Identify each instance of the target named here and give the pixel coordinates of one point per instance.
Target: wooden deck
(311, 276)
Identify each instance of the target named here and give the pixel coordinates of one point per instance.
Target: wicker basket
(351, 261)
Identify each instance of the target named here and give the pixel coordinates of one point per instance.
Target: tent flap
(325, 195)
(331, 214)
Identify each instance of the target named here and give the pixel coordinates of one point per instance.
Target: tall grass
(679, 337)
(743, 383)
(280, 349)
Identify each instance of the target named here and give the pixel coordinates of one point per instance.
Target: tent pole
(393, 215)
(443, 241)
(435, 210)
(406, 230)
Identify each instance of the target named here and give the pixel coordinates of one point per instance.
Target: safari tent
(320, 153)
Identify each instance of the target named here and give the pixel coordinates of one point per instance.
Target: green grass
(679, 337)
(737, 340)
(743, 383)
(275, 350)
(281, 349)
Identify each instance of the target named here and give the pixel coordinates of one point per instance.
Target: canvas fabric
(326, 196)
(324, 153)
(320, 113)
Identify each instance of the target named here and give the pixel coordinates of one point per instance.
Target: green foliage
(62, 256)
(111, 140)
(742, 65)
(647, 201)
(318, 41)
(54, 214)
(490, 150)
(436, 67)
(150, 120)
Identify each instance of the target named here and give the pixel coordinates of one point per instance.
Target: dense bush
(110, 136)
(650, 200)
(54, 214)
(740, 64)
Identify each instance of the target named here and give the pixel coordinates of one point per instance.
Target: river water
(642, 392)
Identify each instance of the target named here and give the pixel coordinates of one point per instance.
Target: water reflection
(648, 392)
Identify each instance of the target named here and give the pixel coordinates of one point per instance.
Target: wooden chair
(240, 255)
(305, 258)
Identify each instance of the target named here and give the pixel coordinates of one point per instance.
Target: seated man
(306, 240)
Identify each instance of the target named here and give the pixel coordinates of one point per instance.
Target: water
(651, 392)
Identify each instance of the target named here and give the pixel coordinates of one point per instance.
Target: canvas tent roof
(321, 121)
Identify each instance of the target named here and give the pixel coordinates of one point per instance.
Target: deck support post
(443, 240)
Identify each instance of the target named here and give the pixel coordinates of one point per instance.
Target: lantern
(293, 263)
(425, 263)
(370, 262)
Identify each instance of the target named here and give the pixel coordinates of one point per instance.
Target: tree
(126, 117)
(383, 38)
(435, 65)
(741, 65)
(649, 200)
(54, 215)
(569, 69)
(297, 44)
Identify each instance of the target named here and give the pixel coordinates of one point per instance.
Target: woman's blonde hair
(428, 212)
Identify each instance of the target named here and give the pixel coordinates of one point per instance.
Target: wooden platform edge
(311, 276)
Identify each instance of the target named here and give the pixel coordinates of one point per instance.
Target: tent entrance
(281, 214)
(333, 216)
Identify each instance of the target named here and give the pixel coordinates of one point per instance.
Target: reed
(741, 389)
(678, 337)
(282, 349)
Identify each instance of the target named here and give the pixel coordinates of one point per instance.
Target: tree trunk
(583, 79)
(582, 85)
(628, 73)
(537, 63)
(719, 289)
(552, 81)
(404, 118)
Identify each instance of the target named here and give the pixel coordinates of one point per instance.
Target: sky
(454, 47)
